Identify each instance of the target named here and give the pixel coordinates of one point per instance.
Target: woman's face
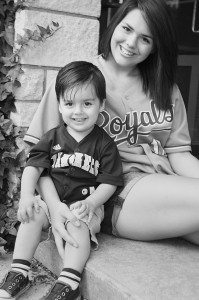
(131, 42)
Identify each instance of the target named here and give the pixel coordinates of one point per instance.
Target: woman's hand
(28, 204)
(58, 220)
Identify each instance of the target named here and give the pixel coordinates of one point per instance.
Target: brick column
(76, 39)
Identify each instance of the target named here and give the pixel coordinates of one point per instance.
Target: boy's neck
(78, 136)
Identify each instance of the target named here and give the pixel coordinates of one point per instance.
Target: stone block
(32, 84)
(84, 7)
(129, 270)
(24, 112)
(76, 39)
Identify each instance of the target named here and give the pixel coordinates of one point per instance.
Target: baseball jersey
(143, 134)
(77, 168)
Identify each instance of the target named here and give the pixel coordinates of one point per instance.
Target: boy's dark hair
(158, 71)
(78, 73)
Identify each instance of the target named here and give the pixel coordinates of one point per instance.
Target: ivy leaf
(7, 127)
(19, 39)
(12, 213)
(3, 209)
(42, 30)
(8, 87)
(21, 159)
(13, 73)
(7, 154)
(9, 36)
(2, 34)
(2, 10)
(2, 242)
(3, 95)
(12, 231)
(48, 30)
(56, 24)
(28, 32)
(1, 170)
(1, 137)
(4, 71)
(16, 83)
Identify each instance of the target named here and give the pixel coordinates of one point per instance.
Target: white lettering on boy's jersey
(57, 147)
(77, 159)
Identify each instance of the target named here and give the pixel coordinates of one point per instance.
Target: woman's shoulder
(176, 94)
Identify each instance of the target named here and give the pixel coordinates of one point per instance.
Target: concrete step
(128, 270)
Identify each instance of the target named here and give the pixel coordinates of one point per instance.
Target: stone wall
(76, 39)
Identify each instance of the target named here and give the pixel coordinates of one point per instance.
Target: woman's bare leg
(161, 206)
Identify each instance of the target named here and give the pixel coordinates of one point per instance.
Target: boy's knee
(82, 229)
(41, 218)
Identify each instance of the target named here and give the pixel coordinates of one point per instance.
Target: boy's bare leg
(74, 261)
(27, 240)
(76, 257)
(28, 236)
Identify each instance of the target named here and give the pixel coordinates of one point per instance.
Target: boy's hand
(28, 204)
(83, 209)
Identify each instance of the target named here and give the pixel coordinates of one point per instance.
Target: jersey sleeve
(46, 117)
(110, 171)
(39, 155)
(179, 139)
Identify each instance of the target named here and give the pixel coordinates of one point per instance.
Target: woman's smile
(126, 52)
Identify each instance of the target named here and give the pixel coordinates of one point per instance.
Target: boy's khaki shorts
(93, 224)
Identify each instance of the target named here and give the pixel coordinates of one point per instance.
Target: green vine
(13, 152)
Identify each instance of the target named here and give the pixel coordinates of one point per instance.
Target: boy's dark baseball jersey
(77, 168)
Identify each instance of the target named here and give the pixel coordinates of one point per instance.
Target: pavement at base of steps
(41, 278)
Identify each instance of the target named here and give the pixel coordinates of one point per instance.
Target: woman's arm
(184, 164)
(59, 213)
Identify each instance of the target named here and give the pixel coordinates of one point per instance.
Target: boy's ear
(102, 105)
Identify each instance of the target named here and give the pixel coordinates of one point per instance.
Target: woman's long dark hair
(158, 71)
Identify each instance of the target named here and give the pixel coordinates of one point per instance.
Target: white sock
(71, 277)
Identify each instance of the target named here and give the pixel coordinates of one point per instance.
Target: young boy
(84, 164)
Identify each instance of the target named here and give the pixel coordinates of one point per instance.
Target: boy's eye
(87, 104)
(69, 104)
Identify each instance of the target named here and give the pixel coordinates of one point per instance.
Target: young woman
(146, 117)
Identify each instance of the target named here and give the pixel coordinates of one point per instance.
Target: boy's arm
(28, 203)
(87, 207)
(102, 193)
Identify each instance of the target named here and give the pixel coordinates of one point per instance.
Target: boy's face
(80, 108)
